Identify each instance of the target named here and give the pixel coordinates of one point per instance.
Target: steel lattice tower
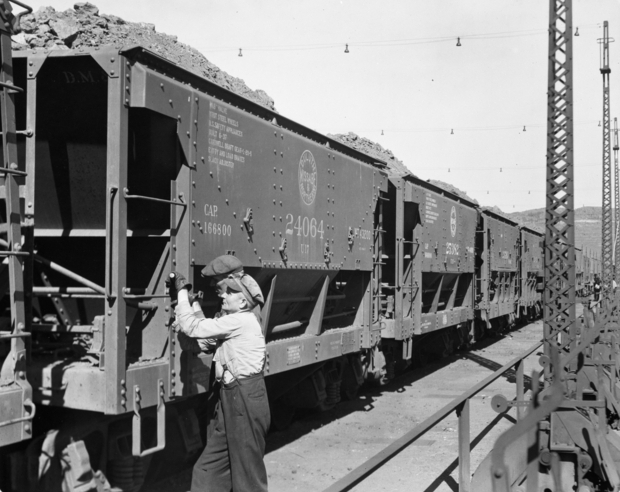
(616, 202)
(559, 311)
(607, 251)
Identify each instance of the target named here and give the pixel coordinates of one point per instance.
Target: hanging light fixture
(458, 41)
(346, 48)
(381, 132)
(577, 31)
(524, 128)
(240, 54)
(452, 131)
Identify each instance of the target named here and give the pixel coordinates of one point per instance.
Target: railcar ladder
(15, 391)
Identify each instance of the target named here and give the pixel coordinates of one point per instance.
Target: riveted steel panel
(503, 242)
(444, 319)
(531, 266)
(532, 251)
(447, 231)
(284, 355)
(276, 198)
(145, 376)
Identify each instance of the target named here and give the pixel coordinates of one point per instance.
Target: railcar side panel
(531, 271)
(497, 280)
(430, 259)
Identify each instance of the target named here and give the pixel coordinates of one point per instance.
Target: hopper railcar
(427, 283)
(136, 167)
(497, 284)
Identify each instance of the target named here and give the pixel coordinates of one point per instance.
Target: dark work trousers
(233, 456)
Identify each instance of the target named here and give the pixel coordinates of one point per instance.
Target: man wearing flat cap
(233, 456)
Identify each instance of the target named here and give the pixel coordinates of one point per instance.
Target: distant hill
(587, 225)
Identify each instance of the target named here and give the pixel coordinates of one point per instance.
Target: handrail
(6, 170)
(136, 434)
(11, 87)
(127, 196)
(375, 462)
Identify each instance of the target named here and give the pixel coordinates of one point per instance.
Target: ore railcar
(497, 284)
(531, 273)
(428, 272)
(137, 167)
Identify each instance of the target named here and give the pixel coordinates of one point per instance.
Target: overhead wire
(388, 42)
(351, 45)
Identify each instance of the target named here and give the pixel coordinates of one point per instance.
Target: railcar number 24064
(304, 226)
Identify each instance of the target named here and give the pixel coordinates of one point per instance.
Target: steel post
(116, 244)
(520, 390)
(14, 364)
(464, 447)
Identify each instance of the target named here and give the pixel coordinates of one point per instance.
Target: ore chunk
(86, 7)
(65, 29)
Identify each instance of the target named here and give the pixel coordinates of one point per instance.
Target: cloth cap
(241, 282)
(223, 265)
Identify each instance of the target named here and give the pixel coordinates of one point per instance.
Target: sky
(472, 115)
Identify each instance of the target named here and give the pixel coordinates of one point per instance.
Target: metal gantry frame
(616, 201)
(559, 310)
(607, 249)
(580, 364)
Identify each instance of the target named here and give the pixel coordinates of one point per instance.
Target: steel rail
(378, 460)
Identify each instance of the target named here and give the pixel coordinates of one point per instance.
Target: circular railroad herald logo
(453, 221)
(307, 177)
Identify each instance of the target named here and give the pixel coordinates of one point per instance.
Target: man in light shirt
(233, 456)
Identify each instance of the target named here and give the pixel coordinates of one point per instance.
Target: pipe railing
(461, 406)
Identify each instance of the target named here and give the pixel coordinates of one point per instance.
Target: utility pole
(606, 257)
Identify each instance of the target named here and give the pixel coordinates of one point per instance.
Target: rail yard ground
(319, 448)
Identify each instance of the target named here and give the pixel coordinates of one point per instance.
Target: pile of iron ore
(396, 167)
(373, 149)
(84, 26)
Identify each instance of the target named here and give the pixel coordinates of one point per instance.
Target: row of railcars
(134, 167)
